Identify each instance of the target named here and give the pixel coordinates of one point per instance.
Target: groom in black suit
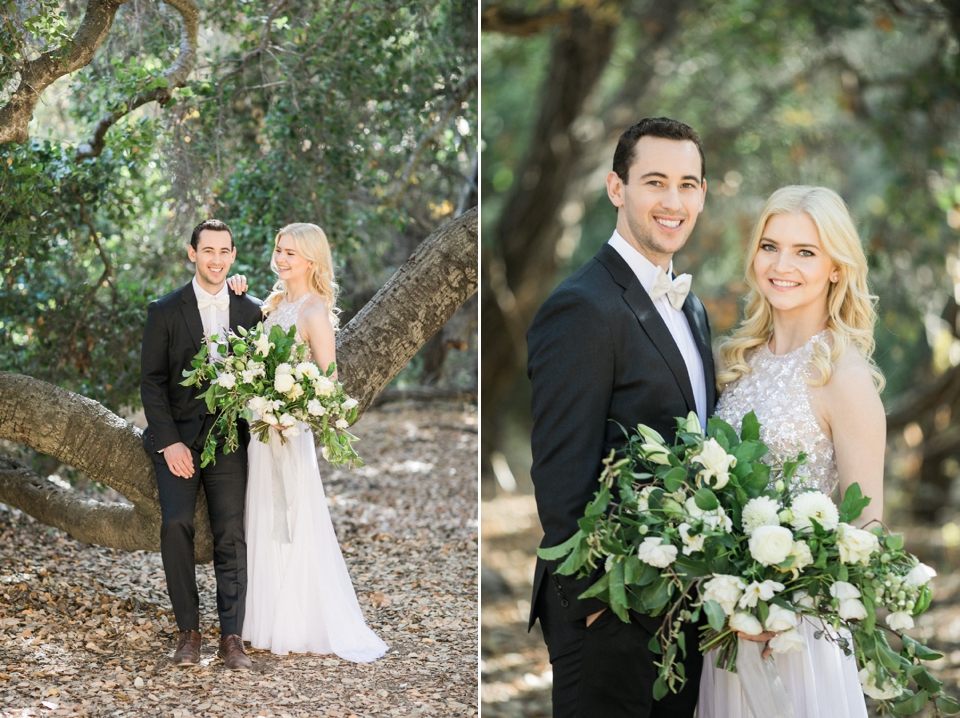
(622, 341)
(177, 427)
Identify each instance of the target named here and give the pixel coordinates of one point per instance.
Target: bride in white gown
(801, 359)
(299, 595)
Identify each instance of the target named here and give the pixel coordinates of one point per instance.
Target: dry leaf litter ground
(516, 678)
(87, 631)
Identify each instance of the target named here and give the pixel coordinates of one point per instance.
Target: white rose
(227, 381)
(324, 386)
(746, 623)
(287, 420)
(814, 505)
(770, 545)
(868, 680)
(802, 598)
(802, 557)
(263, 345)
(652, 552)
(270, 419)
(257, 403)
(283, 383)
(780, 619)
(284, 369)
(349, 404)
(725, 590)
(761, 511)
(690, 543)
(900, 620)
(788, 642)
(716, 464)
(295, 392)
(856, 545)
(920, 575)
(655, 453)
(342, 424)
(315, 408)
(759, 591)
(851, 608)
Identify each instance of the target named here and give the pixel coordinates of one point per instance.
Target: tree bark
(38, 74)
(372, 349)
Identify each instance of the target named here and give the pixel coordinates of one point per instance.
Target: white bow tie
(221, 302)
(675, 290)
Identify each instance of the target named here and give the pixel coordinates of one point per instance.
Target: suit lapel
(191, 314)
(695, 313)
(236, 310)
(650, 320)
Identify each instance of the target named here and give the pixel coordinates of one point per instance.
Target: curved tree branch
(176, 76)
(38, 74)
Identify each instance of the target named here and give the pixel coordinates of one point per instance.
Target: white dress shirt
(674, 319)
(214, 321)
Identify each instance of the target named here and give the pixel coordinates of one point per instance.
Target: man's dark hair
(215, 224)
(653, 127)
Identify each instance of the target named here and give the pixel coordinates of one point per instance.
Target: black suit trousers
(607, 670)
(225, 486)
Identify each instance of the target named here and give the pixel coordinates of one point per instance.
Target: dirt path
(87, 631)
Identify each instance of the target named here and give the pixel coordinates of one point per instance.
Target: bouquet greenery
(705, 528)
(267, 373)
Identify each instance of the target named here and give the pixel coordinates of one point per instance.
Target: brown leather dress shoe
(232, 653)
(188, 649)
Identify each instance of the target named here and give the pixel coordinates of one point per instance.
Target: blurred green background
(862, 97)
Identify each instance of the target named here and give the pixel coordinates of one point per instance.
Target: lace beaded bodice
(286, 316)
(776, 392)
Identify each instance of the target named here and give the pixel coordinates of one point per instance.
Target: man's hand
(179, 460)
(594, 616)
(760, 638)
(238, 283)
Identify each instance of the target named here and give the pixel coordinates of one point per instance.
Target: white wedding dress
(821, 681)
(299, 595)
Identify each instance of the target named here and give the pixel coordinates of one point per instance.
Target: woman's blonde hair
(850, 306)
(311, 243)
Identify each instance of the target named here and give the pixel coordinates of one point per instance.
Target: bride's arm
(315, 328)
(853, 409)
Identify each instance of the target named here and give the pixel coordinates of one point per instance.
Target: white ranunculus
(652, 551)
(284, 368)
(227, 381)
(349, 404)
(788, 642)
(814, 505)
(802, 557)
(716, 463)
(296, 391)
(342, 424)
(257, 403)
(761, 511)
(856, 545)
(851, 608)
(690, 543)
(307, 369)
(324, 386)
(868, 680)
(287, 420)
(725, 590)
(802, 598)
(780, 619)
(315, 408)
(745, 623)
(283, 383)
(270, 419)
(643, 498)
(920, 575)
(759, 591)
(770, 545)
(900, 620)
(263, 345)
(655, 453)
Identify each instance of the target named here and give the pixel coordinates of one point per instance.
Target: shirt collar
(198, 290)
(645, 270)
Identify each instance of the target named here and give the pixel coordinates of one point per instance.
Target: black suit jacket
(171, 339)
(599, 353)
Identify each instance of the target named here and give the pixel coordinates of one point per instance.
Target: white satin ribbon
(766, 695)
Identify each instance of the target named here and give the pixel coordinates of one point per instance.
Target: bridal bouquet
(266, 372)
(704, 528)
